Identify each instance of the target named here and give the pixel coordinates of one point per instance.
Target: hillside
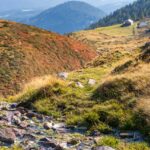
(106, 103)
(67, 17)
(27, 52)
(136, 11)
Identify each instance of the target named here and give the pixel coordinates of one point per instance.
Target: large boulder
(7, 135)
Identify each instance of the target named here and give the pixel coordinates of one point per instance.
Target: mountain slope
(137, 10)
(67, 17)
(27, 52)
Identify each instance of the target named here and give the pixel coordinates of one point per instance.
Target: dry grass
(36, 84)
(40, 82)
(27, 52)
(117, 30)
(144, 104)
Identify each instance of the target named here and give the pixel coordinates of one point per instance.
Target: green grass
(110, 105)
(120, 145)
(117, 30)
(12, 148)
(83, 75)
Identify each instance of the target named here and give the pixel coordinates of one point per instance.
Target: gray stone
(7, 135)
(16, 120)
(103, 148)
(92, 82)
(79, 84)
(48, 143)
(63, 75)
(48, 125)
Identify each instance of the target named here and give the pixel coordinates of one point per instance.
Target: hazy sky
(20, 4)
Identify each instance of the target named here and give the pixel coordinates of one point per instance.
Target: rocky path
(35, 131)
(32, 131)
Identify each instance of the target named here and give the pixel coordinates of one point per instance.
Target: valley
(103, 104)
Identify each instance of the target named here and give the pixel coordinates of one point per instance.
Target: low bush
(108, 141)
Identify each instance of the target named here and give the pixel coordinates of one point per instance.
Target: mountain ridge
(67, 17)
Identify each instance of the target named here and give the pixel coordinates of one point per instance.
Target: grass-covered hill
(118, 100)
(136, 11)
(27, 52)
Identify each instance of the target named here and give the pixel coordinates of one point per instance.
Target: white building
(128, 22)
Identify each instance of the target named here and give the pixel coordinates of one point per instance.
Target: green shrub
(87, 119)
(74, 120)
(91, 118)
(108, 141)
(104, 128)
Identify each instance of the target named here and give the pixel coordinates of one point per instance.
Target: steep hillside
(27, 52)
(137, 10)
(67, 17)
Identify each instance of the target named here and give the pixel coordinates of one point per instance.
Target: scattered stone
(48, 143)
(16, 120)
(59, 125)
(79, 84)
(131, 136)
(22, 110)
(29, 137)
(4, 106)
(30, 114)
(124, 135)
(96, 133)
(48, 125)
(92, 82)
(103, 148)
(17, 113)
(23, 124)
(19, 132)
(39, 117)
(63, 75)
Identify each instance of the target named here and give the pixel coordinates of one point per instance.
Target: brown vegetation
(27, 52)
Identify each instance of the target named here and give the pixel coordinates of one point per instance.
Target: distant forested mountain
(138, 10)
(67, 17)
